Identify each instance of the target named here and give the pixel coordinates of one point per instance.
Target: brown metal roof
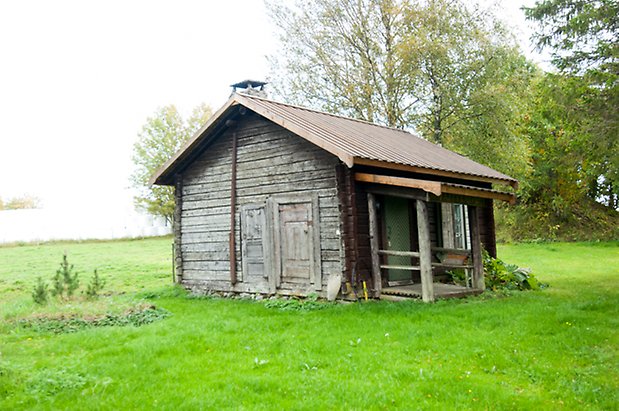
(353, 141)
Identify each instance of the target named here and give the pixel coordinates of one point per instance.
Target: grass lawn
(552, 349)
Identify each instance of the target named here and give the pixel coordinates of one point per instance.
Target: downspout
(177, 269)
(231, 124)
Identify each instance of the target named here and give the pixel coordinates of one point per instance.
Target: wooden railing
(448, 264)
(399, 254)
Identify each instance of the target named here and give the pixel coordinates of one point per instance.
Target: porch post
(376, 276)
(447, 220)
(425, 253)
(478, 265)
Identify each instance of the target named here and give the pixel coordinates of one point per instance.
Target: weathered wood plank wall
(271, 161)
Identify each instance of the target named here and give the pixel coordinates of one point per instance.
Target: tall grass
(554, 349)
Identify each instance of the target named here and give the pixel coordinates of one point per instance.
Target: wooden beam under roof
(432, 171)
(428, 186)
(435, 187)
(470, 191)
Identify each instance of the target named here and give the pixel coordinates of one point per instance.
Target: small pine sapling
(57, 285)
(96, 284)
(65, 281)
(40, 293)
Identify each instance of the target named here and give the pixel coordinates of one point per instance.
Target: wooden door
(397, 236)
(253, 228)
(297, 241)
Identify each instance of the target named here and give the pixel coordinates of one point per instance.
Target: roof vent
(250, 87)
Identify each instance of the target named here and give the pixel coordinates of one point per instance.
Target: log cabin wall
(354, 221)
(487, 228)
(364, 259)
(434, 214)
(271, 162)
(348, 241)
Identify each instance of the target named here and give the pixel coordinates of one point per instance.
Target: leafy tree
(472, 83)
(162, 135)
(448, 70)
(583, 36)
(20, 203)
(559, 150)
(558, 198)
(343, 56)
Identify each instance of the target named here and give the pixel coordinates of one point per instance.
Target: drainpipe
(231, 124)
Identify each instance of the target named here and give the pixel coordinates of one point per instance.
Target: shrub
(500, 275)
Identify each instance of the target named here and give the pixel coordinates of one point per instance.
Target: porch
(422, 235)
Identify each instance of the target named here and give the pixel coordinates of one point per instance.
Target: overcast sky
(79, 78)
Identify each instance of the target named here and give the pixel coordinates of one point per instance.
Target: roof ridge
(328, 114)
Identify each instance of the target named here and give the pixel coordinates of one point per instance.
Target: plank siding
(271, 161)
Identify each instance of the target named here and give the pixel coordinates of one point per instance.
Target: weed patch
(72, 323)
(51, 382)
(311, 303)
(172, 291)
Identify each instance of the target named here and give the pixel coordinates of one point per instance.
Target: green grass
(553, 349)
(127, 266)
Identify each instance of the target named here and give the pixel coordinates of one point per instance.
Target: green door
(398, 235)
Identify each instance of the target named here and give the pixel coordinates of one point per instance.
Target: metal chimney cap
(248, 84)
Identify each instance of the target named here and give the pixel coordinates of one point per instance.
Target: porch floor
(440, 291)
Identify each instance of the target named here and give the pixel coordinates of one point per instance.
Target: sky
(78, 79)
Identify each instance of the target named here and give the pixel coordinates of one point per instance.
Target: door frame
(273, 204)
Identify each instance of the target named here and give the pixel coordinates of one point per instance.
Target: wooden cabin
(283, 200)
